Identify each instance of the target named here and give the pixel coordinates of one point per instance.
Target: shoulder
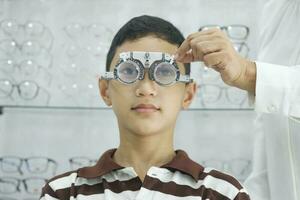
(63, 180)
(222, 183)
(59, 185)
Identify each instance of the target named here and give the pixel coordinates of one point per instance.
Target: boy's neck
(144, 152)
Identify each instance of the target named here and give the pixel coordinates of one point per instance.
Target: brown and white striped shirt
(181, 178)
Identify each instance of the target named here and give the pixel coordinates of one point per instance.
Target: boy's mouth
(145, 108)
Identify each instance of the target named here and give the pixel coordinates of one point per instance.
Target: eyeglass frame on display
(23, 27)
(27, 164)
(17, 85)
(19, 65)
(17, 186)
(221, 89)
(84, 28)
(239, 48)
(89, 160)
(19, 48)
(11, 198)
(226, 28)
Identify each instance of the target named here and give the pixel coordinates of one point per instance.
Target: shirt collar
(181, 162)
(184, 164)
(104, 165)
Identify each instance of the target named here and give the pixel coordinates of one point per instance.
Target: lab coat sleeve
(277, 89)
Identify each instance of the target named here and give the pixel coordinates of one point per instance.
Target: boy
(146, 88)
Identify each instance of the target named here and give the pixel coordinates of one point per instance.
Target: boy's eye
(165, 72)
(128, 71)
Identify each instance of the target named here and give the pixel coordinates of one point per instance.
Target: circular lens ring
(9, 27)
(8, 65)
(154, 68)
(6, 83)
(138, 66)
(34, 28)
(27, 64)
(210, 93)
(26, 83)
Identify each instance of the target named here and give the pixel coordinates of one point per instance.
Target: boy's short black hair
(142, 26)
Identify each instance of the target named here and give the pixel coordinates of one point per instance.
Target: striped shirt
(181, 178)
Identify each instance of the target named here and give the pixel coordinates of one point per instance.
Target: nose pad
(146, 86)
(151, 74)
(148, 75)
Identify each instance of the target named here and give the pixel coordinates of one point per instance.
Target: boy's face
(144, 107)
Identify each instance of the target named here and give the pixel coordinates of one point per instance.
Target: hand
(216, 51)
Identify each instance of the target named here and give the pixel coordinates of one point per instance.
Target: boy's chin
(146, 131)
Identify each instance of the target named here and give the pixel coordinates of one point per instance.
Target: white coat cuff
(271, 92)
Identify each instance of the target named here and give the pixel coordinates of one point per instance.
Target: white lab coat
(276, 165)
(276, 169)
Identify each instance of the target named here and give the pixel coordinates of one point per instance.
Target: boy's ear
(103, 89)
(190, 92)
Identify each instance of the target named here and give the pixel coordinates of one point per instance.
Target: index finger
(185, 46)
(183, 49)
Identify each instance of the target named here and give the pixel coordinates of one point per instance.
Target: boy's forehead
(148, 44)
(145, 44)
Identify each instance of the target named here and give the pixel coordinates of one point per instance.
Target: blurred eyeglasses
(95, 30)
(31, 29)
(78, 162)
(27, 67)
(91, 91)
(97, 49)
(70, 88)
(27, 90)
(72, 50)
(85, 86)
(240, 167)
(70, 69)
(209, 74)
(33, 165)
(242, 48)
(10, 198)
(31, 185)
(29, 47)
(212, 93)
(236, 32)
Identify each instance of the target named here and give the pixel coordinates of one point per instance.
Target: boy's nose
(146, 87)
